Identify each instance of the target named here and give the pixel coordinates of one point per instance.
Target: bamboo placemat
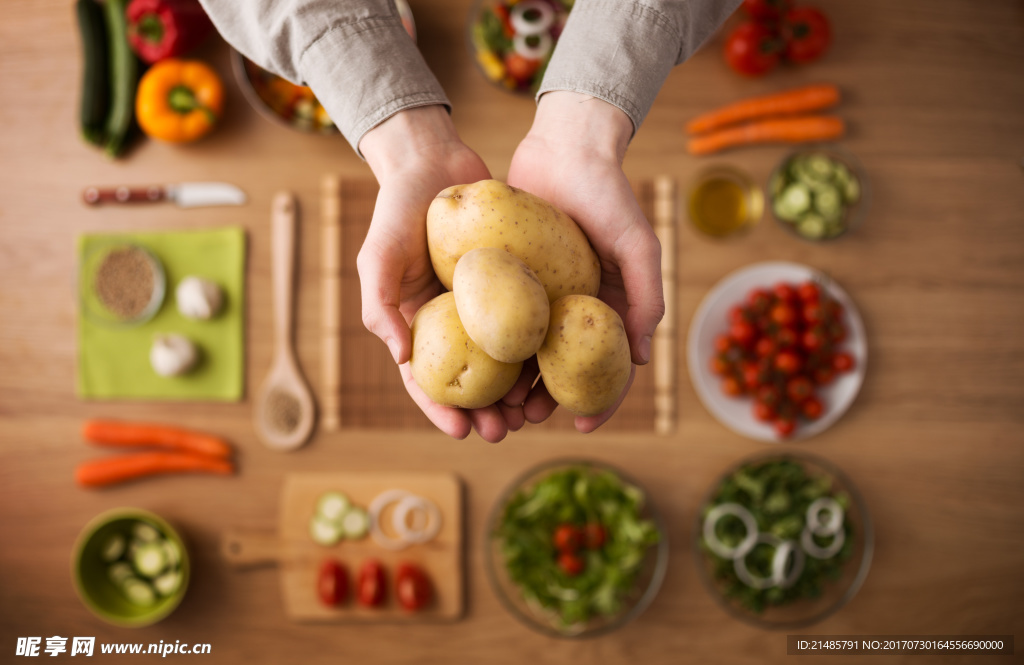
(371, 393)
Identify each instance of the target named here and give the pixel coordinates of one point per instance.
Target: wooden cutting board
(371, 394)
(298, 557)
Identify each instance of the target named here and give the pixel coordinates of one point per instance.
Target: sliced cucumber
(851, 191)
(828, 203)
(173, 553)
(356, 523)
(114, 548)
(777, 184)
(138, 592)
(794, 201)
(332, 505)
(119, 572)
(145, 533)
(811, 226)
(167, 583)
(324, 532)
(812, 192)
(819, 167)
(150, 559)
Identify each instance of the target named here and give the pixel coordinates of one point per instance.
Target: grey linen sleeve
(621, 51)
(354, 54)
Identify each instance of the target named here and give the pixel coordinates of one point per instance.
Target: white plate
(712, 320)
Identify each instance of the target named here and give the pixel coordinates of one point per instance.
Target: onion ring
(832, 524)
(429, 530)
(711, 536)
(781, 558)
(522, 26)
(376, 509)
(817, 551)
(535, 52)
(740, 564)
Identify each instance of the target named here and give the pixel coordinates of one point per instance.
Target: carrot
(114, 433)
(113, 470)
(781, 130)
(800, 100)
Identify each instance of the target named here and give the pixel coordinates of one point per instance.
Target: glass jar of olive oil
(724, 201)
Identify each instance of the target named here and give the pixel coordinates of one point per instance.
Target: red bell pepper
(160, 29)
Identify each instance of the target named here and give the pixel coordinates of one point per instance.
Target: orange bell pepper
(179, 100)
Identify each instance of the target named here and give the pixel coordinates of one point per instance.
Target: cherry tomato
(332, 583)
(812, 408)
(824, 375)
(737, 313)
(807, 34)
(723, 343)
(594, 535)
(731, 386)
(370, 585)
(783, 314)
(787, 362)
(768, 395)
(837, 332)
(785, 292)
(752, 49)
(567, 538)
(751, 375)
(760, 300)
(766, 10)
(814, 339)
(812, 313)
(763, 412)
(785, 338)
(799, 389)
(742, 333)
(843, 362)
(720, 366)
(412, 587)
(571, 564)
(520, 68)
(784, 427)
(808, 292)
(764, 346)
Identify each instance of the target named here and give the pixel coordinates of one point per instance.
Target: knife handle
(98, 195)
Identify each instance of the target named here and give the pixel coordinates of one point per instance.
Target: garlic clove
(199, 298)
(172, 355)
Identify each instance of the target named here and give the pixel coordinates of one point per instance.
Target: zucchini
(812, 192)
(794, 201)
(113, 549)
(124, 72)
(145, 533)
(173, 554)
(324, 532)
(811, 226)
(355, 523)
(828, 203)
(167, 583)
(332, 505)
(95, 94)
(150, 559)
(119, 572)
(138, 592)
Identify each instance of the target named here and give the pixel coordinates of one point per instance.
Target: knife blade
(184, 194)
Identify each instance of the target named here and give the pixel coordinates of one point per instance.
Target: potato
(585, 357)
(490, 213)
(501, 303)
(448, 366)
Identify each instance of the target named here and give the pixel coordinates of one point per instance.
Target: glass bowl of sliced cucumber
(130, 567)
(818, 192)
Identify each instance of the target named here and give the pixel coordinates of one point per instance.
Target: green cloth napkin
(113, 362)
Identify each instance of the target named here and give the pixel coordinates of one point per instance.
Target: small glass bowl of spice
(121, 284)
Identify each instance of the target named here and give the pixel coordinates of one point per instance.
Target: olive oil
(724, 201)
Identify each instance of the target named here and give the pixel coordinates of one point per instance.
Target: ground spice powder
(283, 411)
(124, 282)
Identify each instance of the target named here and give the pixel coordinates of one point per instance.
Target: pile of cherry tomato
(776, 32)
(781, 346)
(569, 539)
(412, 586)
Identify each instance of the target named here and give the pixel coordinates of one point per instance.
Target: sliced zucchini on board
(332, 505)
(323, 531)
(356, 523)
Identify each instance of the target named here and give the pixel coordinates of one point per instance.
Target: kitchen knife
(185, 194)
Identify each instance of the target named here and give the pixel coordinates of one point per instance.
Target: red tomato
(751, 375)
(737, 313)
(720, 366)
(567, 538)
(760, 300)
(784, 315)
(332, 583)
(723, 343)
(594, 535)
(812, 313)
(570, 563)
(843, 362)
(812, 408)
(766, 10)
(787, 362)
(814, 339)
(807, 34)
(752, 49)
(799, 389)
(768, 395)
(785, 338)
(823, 376)
(412, 586)
(785, 292)
(742, 333)
(763, 412)
(784, 427)
(731, 386)
(808, 292)
(765, 346)
(370, 586)
(836, 332)
(520, 68)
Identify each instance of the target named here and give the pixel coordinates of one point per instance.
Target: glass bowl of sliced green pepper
(818, 192)
(575, 548)
(783, 540)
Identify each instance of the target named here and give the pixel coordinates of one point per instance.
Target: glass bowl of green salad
(783, 540)
(575, 549)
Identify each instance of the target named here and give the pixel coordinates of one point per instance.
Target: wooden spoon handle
(282, 266)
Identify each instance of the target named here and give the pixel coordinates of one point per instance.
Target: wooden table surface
(934, 96)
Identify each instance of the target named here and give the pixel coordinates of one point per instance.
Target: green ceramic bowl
(89, 570)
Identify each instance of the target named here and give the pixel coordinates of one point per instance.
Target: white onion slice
(517, 17)
(817, 551)
(711, 536)
(834, 517)
(410, 504)
(537, 51)
(781, 559)
(740, 564)
(376, 508)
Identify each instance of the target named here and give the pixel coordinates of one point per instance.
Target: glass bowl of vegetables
(783, 540)
(819, 192)
(575, 548)
(511, 41)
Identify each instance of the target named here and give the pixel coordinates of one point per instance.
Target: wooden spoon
(285, 411)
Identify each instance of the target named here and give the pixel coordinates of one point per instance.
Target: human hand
(572, 157)
(414, 155)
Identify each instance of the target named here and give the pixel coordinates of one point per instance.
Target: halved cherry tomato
(571, 564)
(567, 538)
(594, 535)
(370, 586)
(753, 50)
(332, 583)
(412, 586)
